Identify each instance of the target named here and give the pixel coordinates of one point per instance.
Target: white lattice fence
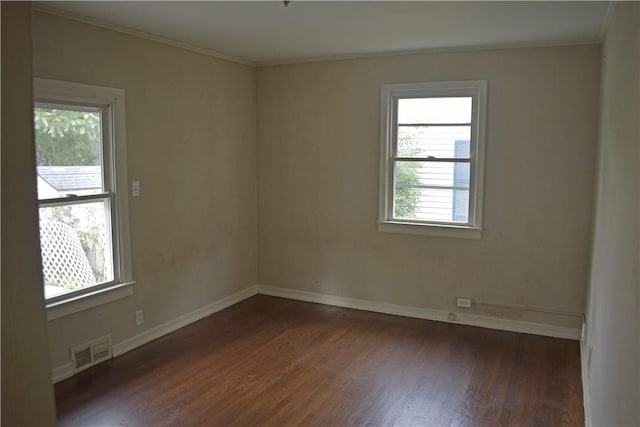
(64, 262)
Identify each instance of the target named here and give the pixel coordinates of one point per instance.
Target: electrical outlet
(463, 302)
(139, 318)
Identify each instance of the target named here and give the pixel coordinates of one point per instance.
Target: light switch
(135, 188)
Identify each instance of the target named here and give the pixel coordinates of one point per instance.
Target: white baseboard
(182, 321)
(584, 362)
(425, 313)
(62, 372)
(66, 371)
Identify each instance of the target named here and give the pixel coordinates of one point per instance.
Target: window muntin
(69, 150)
(432, 153)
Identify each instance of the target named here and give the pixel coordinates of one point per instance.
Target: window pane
(434, 141)
(75, 242)
(434, 110)
(441, 174)
(431, 204)
(68, 151)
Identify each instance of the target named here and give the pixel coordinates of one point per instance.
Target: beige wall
(191, 143)
(27, 393)
(318, 155)
(613, 315)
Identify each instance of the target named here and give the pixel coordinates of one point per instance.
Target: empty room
(320, 213)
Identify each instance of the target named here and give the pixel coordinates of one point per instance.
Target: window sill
(75, 304)
(450, 231)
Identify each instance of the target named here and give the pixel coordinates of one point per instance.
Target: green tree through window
(407, 198)
(66, 137)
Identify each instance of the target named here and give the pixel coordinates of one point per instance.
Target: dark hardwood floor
(271, 361)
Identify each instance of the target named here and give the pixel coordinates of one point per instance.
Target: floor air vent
(91, 353)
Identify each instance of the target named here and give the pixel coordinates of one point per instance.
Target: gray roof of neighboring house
(71, 177)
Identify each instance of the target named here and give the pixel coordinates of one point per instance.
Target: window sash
(107, 164)
(454, 188)
(468, 223)
(394, 158)
(73, 200)
(111, 232)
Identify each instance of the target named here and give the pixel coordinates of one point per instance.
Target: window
(431, 158)
(82, 189)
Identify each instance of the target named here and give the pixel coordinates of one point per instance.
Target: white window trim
(46, 90)
(477, 89)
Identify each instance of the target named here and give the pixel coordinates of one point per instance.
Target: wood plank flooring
(276, 362)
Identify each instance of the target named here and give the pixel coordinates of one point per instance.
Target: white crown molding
(606, 22)
(499, 46)
(140, 34)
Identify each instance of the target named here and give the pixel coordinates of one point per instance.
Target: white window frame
(477, 90)
(111, 101)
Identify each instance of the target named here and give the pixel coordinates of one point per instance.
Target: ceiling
(266, 32)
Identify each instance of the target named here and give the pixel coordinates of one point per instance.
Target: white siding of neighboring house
(437, 204)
